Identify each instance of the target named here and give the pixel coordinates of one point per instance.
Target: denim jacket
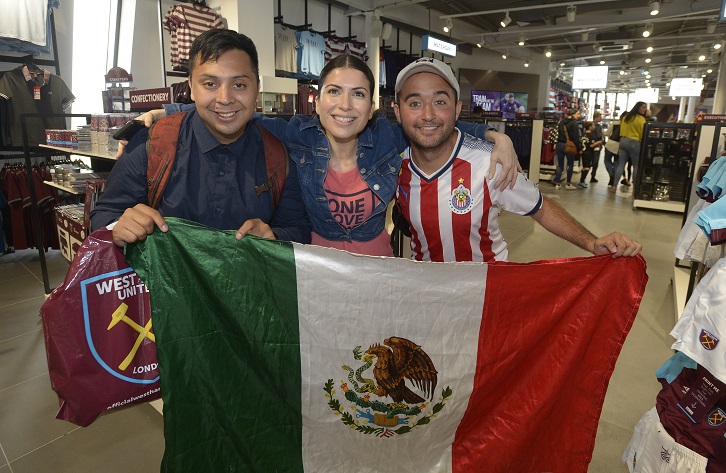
(380, 145)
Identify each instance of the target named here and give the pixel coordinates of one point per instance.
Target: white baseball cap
(427, 64)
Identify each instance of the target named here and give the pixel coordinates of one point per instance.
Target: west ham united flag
(276, 356)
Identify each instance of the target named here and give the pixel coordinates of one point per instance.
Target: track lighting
(717, 46)
(449, 25)
(602, 61)
(654, 7)
(649, 49)
(504, 55)
(709, 70)
(548, 52)
(480, 42)
(526, 63)
(506, 20)
(711, 26)
(521, 39)
(701, 57)
(571, 11)
(648, 30)
(647, 60)
(562, 64)
(622, 73)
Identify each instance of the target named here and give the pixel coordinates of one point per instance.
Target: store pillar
(719, 98)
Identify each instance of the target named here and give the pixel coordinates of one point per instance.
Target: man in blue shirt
(219, 159)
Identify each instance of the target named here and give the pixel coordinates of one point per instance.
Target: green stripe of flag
(247, 350)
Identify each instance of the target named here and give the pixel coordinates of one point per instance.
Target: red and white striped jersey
(453, 213)
(185, 22)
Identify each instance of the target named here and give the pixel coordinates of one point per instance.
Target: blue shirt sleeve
(126, 184)
(291, 219)
(477, 129)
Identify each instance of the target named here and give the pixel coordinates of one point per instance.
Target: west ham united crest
(397, 398)
(708, 340)
(461, 201)
(716, 417)
(117, 320)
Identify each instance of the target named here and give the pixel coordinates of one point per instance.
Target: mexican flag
(280, 357)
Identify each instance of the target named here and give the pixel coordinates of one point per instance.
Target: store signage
(118, 74)
(647, 95)
(526, 115)
(722, 15)
(491, 113)
(686, 87)
(146, 99)
(713, 118)
(429, 43)
(592, 77)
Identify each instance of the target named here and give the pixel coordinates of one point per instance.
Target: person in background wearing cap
(348, 158)
(443, 191)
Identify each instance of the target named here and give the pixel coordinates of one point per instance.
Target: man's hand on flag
(136, 223)
(256, 227)
(617, 245)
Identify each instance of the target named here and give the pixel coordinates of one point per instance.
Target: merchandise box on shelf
(72, 221)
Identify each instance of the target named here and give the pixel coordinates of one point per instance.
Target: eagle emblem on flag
(461, 201)
(708, 340)
(385, 405)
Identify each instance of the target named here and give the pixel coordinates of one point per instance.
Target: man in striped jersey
(443, 191)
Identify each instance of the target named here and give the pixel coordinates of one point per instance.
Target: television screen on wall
(590, 77)
(509, 103)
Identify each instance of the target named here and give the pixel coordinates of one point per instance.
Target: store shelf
(90, 154)
(678, 207)
(69, 190)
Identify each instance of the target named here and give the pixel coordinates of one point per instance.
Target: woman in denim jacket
(348, 158)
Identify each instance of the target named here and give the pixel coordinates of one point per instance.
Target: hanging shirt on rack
(334, 47)
(185, 22)
(24, 25)
(310, 53)
(285, 49)
(29, 93)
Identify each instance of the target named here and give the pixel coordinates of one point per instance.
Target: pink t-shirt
(351, 203)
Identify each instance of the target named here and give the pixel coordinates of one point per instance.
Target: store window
(94, 36)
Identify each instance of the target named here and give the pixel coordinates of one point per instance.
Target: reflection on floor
(131, 440)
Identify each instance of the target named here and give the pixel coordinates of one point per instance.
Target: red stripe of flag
(542, 375)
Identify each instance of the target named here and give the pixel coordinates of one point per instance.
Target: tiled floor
(32, 441)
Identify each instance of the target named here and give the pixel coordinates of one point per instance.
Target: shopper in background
(631, 135)
(612, 148)
(477, 112)
(443, 191)
(568, 128)
(219, 159)
(597, 120)
(589, 144)
(348, 158)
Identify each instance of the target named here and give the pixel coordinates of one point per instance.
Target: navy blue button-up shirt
(211, 183)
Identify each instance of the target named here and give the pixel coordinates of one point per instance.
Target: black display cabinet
(665, 167)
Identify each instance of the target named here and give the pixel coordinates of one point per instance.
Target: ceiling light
(622, 73)
(654, 7)
(571, 11)
(668, 84)
(717, 46)
(526, 63)
(562, 64)
(504, 55)
(505, 21)
(480, 42)
(701, 57)
(648, 30)
(647, 60)
(548, 52)
(478, 45)
(703, 75)
(711, 26)
(602, 61)
(449, 25)
(648, 76)
(649, 49)
(521, 40)
(585, 35)
(709, 71)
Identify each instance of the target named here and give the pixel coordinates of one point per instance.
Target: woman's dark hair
(350, 62)
(213, 43)
(632, 113)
